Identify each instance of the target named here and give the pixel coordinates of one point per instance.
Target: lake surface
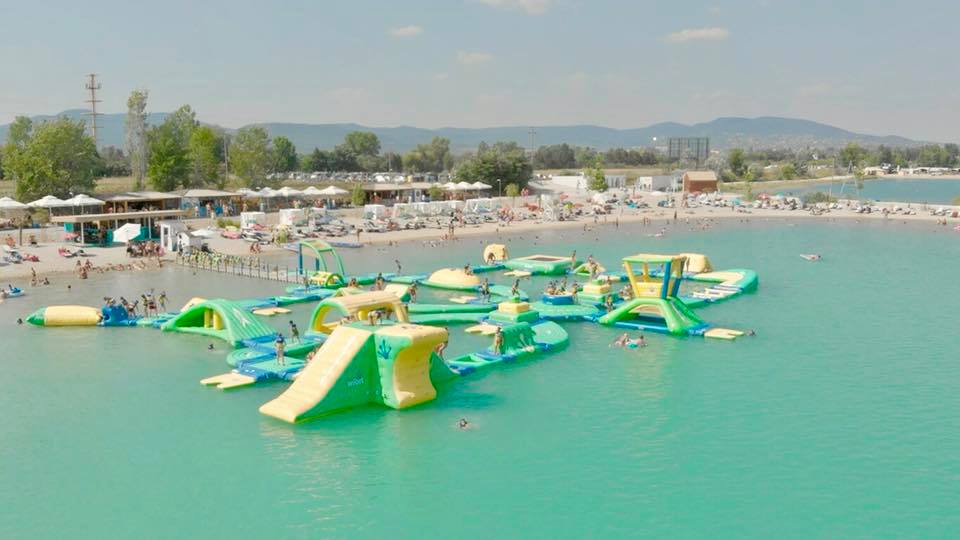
(921, 190)
(839, 419)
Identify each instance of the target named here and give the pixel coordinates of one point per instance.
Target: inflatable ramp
(390, 365)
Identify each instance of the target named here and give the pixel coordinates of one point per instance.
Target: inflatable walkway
(390, 365)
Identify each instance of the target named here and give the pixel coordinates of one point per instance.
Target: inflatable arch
(221, 319)
(355, 307)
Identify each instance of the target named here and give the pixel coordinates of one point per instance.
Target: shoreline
(806, 182)
(51, 265)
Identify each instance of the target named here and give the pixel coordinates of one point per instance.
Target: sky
(879, 66)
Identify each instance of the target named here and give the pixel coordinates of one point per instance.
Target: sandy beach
(52, 264)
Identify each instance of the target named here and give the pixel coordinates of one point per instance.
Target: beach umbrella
(125, 233)
(245, 191)
(83, 200)
(48, 201)
(287, 191)
(333, 191)
(480, 185)
(313, 191)
(464, 186)
(6, 203)
(449, 186)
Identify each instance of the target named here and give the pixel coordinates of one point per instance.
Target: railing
(251, 267)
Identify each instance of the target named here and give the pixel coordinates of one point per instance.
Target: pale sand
(51, 263)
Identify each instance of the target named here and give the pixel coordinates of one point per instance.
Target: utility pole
(533, 138)
(93, 86)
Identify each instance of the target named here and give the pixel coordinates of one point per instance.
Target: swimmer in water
(19, 321)
(210, 347)
(621, 341)
(463, 424)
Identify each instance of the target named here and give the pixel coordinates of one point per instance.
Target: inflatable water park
(370, 341)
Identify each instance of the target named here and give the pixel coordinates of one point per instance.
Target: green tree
(436, 193)
(858, 176)
(250, 156)
(52, 158)
(432, 157)
(504, 161)
(284, 155)
(18, 134)
(788, 171)
(357, 195)
(596, 178)
(135, 126)
(184, 121)
(738, 162)
(555, 156)
(204, 145)
(512, 190)
(169, 163)
(852, 156)
(114, 162)
(362, 143)
(318, 160)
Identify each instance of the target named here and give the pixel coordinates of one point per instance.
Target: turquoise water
(839, 419)
(922, 190)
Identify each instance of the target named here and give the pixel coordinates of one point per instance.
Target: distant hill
(724, 133)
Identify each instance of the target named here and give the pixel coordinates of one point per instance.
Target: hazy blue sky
(875, 66)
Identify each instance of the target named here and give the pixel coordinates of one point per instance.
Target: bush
(223, 223)
(816, 197)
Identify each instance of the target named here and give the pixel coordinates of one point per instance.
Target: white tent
(125, 233)
(48, 201)
(83, 200)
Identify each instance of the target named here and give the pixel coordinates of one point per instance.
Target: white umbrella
(126, 233)
(245, 191)
(332, 191)
(449, 186)
(464, 185)
(6, 203)
(269, 193)
(480, 185)
(83, 200)
(287, 191)
(313, 191)
(48, 201)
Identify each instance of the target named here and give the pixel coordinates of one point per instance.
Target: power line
(93, 86)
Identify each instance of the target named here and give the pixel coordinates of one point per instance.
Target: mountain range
(724, 133)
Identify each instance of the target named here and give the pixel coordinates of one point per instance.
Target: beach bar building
(702, 181)
(98, 228)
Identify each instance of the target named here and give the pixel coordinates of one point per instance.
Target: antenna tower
(92, 85)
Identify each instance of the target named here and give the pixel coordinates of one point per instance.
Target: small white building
(169, 231)
(657, 183)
